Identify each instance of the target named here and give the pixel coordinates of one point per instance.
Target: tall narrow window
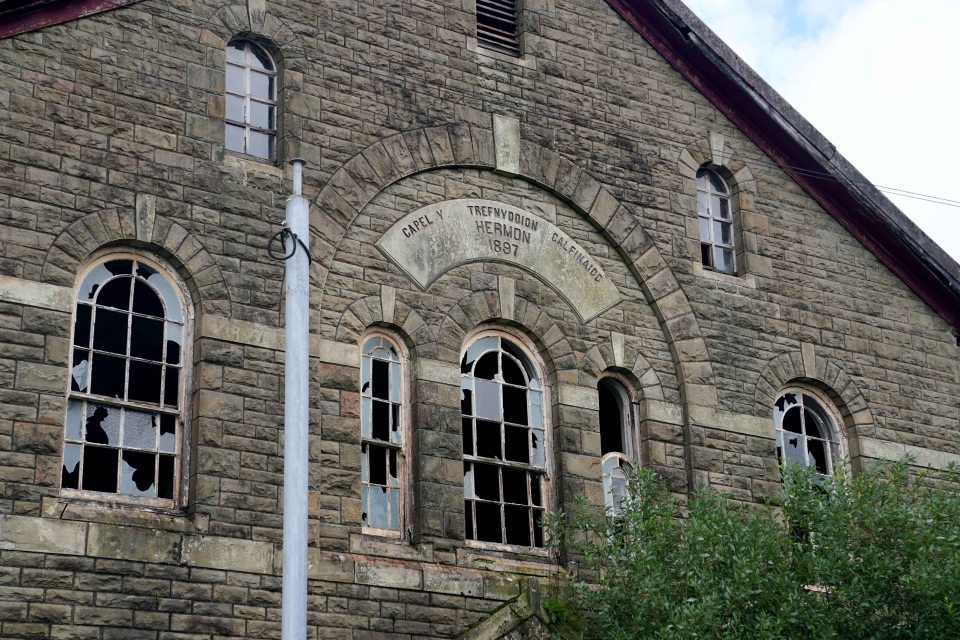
(717, 248)
(616, 441)
(503, 444)
(251, 101)
(806, 432)
(125, 410)
(497, 26)
(382, 435)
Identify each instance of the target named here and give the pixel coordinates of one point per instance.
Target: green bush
(877, 557)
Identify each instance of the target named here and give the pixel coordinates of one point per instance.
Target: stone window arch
(384, 438)
(130, 369)
(808, 430)
(250, 109)
(505, 447)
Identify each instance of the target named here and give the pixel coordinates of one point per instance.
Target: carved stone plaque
(430, 241)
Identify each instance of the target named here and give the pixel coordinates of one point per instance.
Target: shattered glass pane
(517, 520)
(365, 376)
(381, 420)
(75, 421)
(115, 293)
(488, 439)
(110, 331)
(146, 338)
(489, 526)
(793, 449)
(371, 345)
(818, 455)
(145, 382)
(70, 474)
(174, 342)
(381, 380)
(140, 430)
(514, 486)
(108, 376)
(146, 300)
(487, 366)
(80, 373)
(144, 271)
(166, 477)
(138, 473)
(536, 450)
(791, 421)
(813, 425)
(81, 326)
(396, 433)
(103, 425)
(393, 471)
(171, 301)
(475, 350)
(467, 429)
(466, 399)
(512, 373)
(468, 487)
(514, 405)
(377, 465)
(168, 433)
(171, 388)
(517, 444)
(486, 481)
(93, 281)
(537, 528)
(488, 400)
(100, 469)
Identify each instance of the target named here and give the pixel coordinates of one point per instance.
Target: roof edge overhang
(792, 142)
(20, 16)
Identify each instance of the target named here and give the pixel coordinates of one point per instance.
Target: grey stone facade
(112, 138)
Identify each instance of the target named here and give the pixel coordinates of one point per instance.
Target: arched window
(504, 457)
(717, 247)
(616, 440)
(806, 431)
(382, 464)
(251, 100)
(125, 411)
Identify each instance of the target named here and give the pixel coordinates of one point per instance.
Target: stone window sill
(147, 517)
(741, 280)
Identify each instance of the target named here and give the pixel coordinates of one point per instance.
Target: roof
(746, 100)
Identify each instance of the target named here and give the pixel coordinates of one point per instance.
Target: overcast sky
(879, 78)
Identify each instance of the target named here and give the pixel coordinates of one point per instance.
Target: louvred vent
(497, 26)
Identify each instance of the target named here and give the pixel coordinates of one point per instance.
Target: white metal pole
(296, 423)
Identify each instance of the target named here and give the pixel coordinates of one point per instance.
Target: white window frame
(545, 472)
(835, 443)
(402, 448)
(181, 455)
(247, 97)
(710, 218)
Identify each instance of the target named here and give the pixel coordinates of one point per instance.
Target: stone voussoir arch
(138, 227)
(362, 177)
(791, 367)
(364, 313)
(604, 357)
(254, 20)
(716, 151)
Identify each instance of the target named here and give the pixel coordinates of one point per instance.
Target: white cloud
(879, 78)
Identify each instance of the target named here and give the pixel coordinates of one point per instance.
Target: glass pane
(791, 420)
(235, 51)
(73, 429)
(717, 183)
(396, 386)
(487, 367)
(140, 430)
(722, 232)
(70, 474)
(100, 469)
(517, 521)
(171, 301)
(146, 338)
(466, 397)
(91, 284)
(144, 382)
(168, 434)
(261, 115)
(366, 411)
(536, 409)
(110, 331)
(234, 138)
(536, 449)
(171, 388)
(235, 79)
(138, 474)
(166, 477)
(793, 448)
(715, 206)
(107, 376)
(378, 507)
(488, 400)
(725, 208)
(146, 300)
(259, 58)
(705, 229)
(80, 373)
(396, 430)
(261, 145)
(102, 425)
(475, 350)
(468, 490)
(514, 405)
(261, 85)
(234, 108)
(81, 326)
(115, 293)
(723, 258)
(381, 380)
(703, 203)
(488, 439)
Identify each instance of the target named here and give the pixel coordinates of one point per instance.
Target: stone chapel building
(551, 240)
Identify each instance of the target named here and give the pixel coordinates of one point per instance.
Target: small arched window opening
(616, 440)
(126, 405)
(504, 449)
(806, 431)
(251, 100)
(717, 246)
(383, 438)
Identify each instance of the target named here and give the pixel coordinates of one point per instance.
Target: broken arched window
(123, 432)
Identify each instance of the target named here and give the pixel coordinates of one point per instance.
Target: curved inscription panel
(430, 241)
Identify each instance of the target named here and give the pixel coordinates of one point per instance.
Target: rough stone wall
(111, 135)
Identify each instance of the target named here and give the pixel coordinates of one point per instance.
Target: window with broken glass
(616, 441)
(251, 100)
(504, 462)
(806, 432)
(717, 247)
(382, 436)
(125, 406)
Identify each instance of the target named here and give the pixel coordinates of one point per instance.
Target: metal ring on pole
(282, 236)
